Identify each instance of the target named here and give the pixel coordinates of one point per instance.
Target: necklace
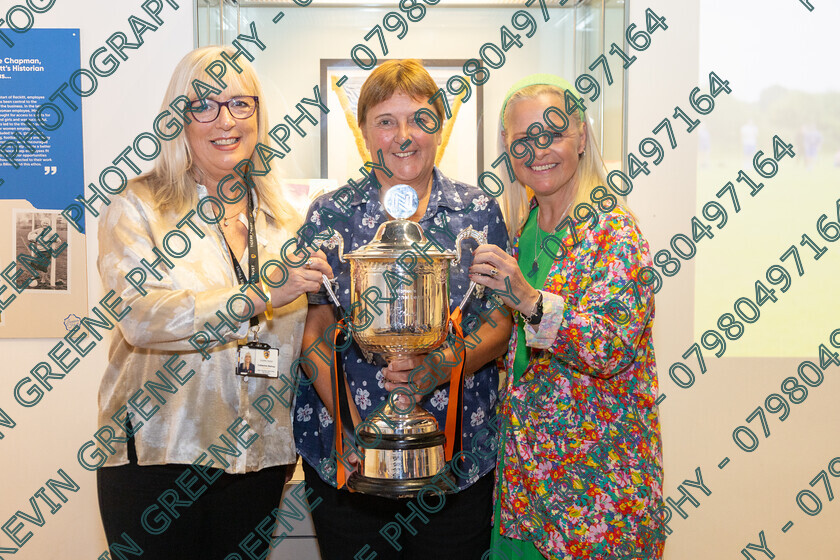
(234, 217)
(538, 239)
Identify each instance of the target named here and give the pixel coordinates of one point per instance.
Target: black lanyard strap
(253, 257)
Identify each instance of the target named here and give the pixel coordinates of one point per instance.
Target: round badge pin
(401, 201)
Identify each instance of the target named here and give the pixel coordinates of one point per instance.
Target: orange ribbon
(339, 431)
(456, 388)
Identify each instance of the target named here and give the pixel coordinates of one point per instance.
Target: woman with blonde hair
(580, 459)
(198, 228)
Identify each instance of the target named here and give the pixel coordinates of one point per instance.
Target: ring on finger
(308, 263)
(494, 272)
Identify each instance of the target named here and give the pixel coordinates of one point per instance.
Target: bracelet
(269, 311)
(535, 317)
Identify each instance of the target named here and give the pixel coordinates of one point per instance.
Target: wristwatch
(536, 315)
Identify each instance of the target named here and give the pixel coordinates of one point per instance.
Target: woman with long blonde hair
(197, 227)
(580, 460)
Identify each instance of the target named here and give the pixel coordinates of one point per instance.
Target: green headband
(539, 79)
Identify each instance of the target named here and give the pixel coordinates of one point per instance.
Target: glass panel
(612, 108)
(216, 22)
(588, 39)
(306, 40)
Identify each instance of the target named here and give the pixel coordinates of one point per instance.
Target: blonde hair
(408, 76)
(172, 179)
(515, 198)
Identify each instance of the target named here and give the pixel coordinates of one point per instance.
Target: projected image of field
(755, 238)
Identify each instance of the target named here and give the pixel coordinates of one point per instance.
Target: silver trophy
(403, 449)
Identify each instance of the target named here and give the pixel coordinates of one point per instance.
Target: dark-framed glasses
(240, 107)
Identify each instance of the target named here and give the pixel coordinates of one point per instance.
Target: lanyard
(253, 259)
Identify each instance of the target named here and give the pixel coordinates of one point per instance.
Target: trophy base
(397, 489)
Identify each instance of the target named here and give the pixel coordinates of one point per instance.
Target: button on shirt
(454, 206)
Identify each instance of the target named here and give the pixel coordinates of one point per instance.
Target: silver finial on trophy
(401, 201)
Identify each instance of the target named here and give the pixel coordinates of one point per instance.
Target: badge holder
(257, 359)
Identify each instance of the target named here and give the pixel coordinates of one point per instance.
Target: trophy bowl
(412, 315)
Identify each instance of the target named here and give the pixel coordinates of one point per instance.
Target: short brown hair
(408, 76)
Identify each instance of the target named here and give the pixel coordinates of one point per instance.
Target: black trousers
(346, 522)
(181, 524)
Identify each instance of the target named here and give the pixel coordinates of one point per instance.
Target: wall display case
(306, 43)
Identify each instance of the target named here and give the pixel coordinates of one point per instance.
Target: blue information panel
(50, 173)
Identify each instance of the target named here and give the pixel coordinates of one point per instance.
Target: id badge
(257, 359)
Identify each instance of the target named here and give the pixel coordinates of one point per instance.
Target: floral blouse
(581, 464)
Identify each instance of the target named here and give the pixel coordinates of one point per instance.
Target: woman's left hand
(399, 374)
(491, 266)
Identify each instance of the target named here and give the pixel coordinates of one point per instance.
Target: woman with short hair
(349, 523)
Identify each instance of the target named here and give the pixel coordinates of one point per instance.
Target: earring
(583, 153)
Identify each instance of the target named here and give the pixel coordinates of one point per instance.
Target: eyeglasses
(240, 107)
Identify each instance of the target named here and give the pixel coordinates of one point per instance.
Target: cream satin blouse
(161, 323)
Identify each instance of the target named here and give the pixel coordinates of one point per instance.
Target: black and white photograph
(44, 266)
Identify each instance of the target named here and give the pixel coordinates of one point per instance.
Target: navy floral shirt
(454, 206)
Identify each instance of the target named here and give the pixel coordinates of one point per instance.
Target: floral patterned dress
(581, 464)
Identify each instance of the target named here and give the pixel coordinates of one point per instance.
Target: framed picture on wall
(343, 151)
(44, 272)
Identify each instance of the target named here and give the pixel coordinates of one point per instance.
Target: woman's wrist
(529, 302)
(257, 297)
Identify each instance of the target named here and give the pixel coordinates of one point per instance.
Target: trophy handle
(479, 237)
(333, 241)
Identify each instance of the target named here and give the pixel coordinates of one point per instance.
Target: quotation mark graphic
(47, 171)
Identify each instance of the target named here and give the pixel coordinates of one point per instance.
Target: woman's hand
(301, 280)
(398, 374)
(355, 463)
(492, 266)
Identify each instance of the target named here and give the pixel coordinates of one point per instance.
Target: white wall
(755, 491)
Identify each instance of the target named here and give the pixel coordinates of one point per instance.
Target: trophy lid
(395, 237)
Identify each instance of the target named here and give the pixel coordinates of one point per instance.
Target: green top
(503, 547)
(526, 262)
